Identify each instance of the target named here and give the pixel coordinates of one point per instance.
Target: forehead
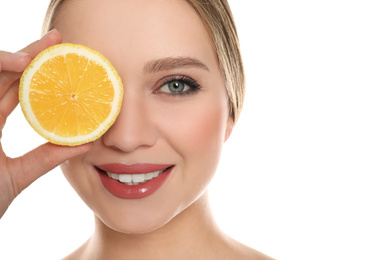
(157, 28)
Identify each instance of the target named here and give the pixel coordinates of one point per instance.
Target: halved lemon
(70, 94)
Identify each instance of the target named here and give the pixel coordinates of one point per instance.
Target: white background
(305, 173)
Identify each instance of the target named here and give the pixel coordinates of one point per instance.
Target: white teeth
(113, 175)
(149, 176)
(134, 179)
(139, 177)
(125, 177)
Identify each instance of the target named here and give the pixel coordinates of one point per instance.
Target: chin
(133, 228)
(136, 217)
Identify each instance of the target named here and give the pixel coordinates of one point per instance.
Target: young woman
(184, 85)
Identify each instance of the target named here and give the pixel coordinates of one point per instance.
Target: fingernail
(20, 54)
(49, 32)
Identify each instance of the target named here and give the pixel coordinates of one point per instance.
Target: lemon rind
(63, 49)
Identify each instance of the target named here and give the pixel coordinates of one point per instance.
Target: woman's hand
(16, 174)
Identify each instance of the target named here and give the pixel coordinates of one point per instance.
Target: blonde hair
(218, 19)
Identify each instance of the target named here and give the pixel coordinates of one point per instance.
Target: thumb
(51, 38)
(29, 167)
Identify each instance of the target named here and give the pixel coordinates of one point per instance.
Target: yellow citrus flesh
(70, 94)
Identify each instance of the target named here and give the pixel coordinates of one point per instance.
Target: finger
(8, 103)
(6, 80)
(15, 62)
(49, 39)
(31, 166)
(7, 77)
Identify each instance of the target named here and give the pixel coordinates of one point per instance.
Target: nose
(133, 127)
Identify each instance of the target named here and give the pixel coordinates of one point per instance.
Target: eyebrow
(171, 63)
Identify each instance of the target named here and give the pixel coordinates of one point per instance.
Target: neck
(193, 230)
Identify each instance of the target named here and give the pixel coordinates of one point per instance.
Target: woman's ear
(229, 128)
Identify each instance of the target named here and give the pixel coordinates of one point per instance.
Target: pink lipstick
(133, 181)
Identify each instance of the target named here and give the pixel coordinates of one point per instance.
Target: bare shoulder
(237, 250)
(245, 252)
(78, 253)
(250, 253)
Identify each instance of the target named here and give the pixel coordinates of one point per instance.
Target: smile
(133, 181)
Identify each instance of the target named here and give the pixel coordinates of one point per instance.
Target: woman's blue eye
(179, 86)
(175, 87)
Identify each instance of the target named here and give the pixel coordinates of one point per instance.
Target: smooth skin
(141, 38)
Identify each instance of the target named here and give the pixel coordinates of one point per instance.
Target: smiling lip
(137, 191)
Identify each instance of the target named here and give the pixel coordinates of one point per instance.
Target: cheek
(197, 133)
(81, 178)
(69, 167)
(196, 136)
(205, 129)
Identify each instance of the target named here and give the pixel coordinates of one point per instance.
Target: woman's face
(174, 116)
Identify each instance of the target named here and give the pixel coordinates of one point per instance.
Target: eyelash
(190, 82)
